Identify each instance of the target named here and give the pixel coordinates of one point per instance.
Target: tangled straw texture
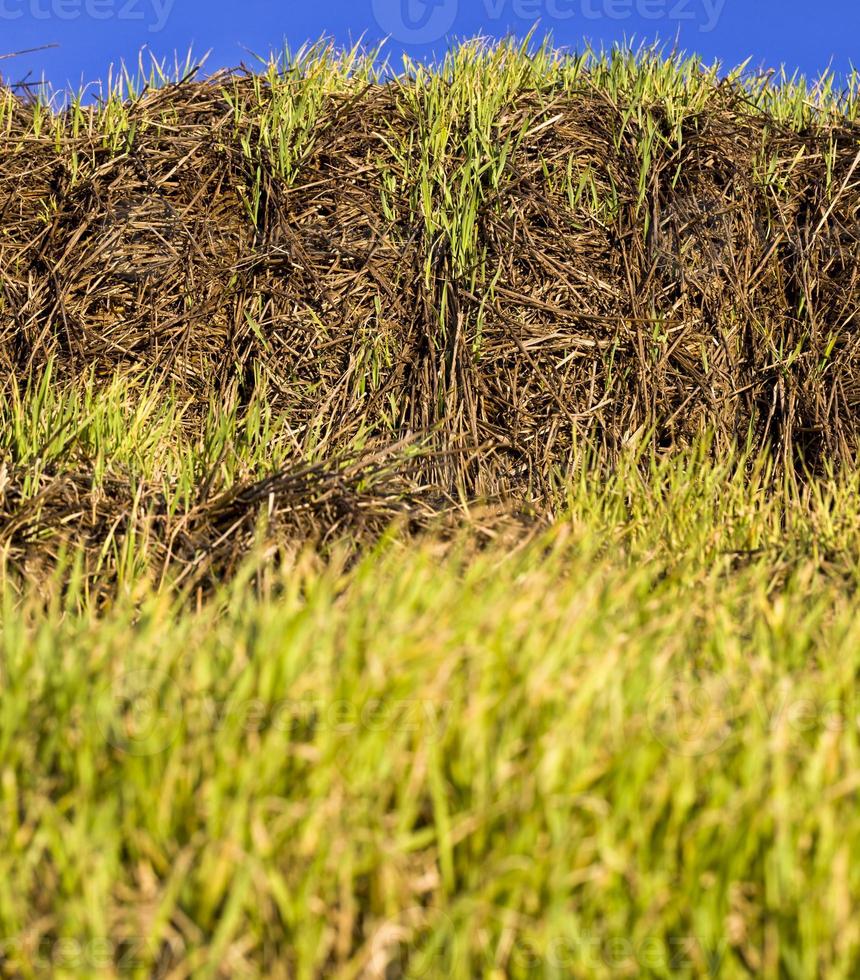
(478, 270)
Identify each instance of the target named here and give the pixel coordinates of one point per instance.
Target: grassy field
(430, 523)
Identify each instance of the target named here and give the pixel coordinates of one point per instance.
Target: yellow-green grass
(625, 747)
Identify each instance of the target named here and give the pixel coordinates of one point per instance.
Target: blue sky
(92, 34)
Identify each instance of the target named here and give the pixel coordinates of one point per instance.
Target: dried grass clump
(512, 256)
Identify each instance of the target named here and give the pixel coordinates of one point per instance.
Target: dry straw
(475, 271)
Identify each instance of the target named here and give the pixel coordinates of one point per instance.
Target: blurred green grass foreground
(624, 746)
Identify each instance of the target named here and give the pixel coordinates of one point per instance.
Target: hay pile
(673, 296)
